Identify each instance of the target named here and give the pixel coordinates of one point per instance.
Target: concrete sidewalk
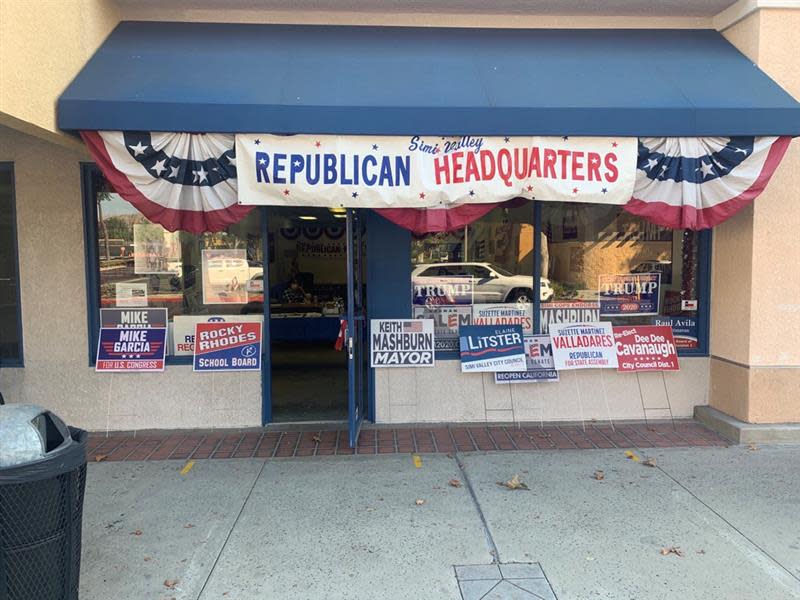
(392, 527)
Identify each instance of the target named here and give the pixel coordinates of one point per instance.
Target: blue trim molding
(19, 359)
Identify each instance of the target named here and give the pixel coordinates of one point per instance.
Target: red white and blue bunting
(189, 181)
(696, 183)
(181, 181)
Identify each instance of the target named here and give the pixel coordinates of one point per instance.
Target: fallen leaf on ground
(419, 501)
(599, 475)
(316, 439)
(147, 559)
(632, 456)
(650, 462)
(671, 550)
(188, 526)
(454, 483)
(171, 583)
(513, 484)
(701, 551)
(100, 457)
(752, 446)
(136, 532)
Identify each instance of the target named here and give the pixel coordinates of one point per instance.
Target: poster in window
(432, 291)
(568, 311)
(629, 295)
(446, 321)
(225, 276)
(504, 314)
(156, 251)
(131, 294)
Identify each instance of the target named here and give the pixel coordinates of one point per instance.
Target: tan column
(755, 308)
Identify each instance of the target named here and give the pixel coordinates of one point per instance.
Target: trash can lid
(29, 432)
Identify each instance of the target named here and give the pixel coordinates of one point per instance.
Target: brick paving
(275, 443)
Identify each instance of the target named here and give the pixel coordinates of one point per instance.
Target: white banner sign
(401, 343)
(583, 345)
(431, 171)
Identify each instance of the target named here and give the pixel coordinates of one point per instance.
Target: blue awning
(397, 80)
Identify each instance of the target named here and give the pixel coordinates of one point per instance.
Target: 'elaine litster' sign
(539, 361)
(232, 346)
(646, 348)
(491, 348)
(583, 346)
(423, 172)
(401, 343)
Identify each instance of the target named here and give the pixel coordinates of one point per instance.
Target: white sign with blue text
(401, 343)
(489, 348)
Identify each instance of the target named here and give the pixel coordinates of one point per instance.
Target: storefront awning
(150, 76)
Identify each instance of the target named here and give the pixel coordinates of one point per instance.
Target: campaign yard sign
(131, 340)
(684, 330)
(232, 346)
(583, 346)
(629, 295)
(433, 291)
(446, 321)
(491, 348)
(504, 314)
(401, 343)
(538, 360)
(646, 348)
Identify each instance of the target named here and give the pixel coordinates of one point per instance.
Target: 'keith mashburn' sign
(419, 172)
(401, 343)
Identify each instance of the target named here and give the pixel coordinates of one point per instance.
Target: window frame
(703, 289)
(19, 361)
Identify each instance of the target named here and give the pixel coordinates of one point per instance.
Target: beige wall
(443, 393)
(755, 314)
(52, 283)
(43, 46)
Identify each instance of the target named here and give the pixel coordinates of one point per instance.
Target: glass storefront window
(603, 263)
(144, 265)
(479, 274)
(10, 318)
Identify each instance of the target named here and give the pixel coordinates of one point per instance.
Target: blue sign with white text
(491, 348)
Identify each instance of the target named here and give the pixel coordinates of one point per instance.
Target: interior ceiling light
(307, 218)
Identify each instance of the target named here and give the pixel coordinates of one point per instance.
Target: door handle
(350, 348)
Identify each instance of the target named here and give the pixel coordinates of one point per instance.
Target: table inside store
(302, 323)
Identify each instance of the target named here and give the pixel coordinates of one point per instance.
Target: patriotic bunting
(189, 181)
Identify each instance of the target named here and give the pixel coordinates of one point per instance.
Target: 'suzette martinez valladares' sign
(504, 314)
(583, 346)
(539, 361)
(430, 171)
(232, 346)
(132, 339)
(401, 343)
(491, 348)
(629, 295)
(646, 348)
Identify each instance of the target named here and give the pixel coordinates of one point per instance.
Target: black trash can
(41, 504)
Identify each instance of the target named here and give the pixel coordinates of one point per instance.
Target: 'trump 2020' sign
(422, 172)
(491, 348)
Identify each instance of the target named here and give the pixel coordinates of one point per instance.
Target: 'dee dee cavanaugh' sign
(401, 343)
(131, 340)
(646, 348)
(429, 171)
(491, 348)
(583, 346)
(232, 346)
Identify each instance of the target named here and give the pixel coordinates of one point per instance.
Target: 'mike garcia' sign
(132, 339)
(491, 348)
(401, 343)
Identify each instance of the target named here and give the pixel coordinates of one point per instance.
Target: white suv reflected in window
(492, 284)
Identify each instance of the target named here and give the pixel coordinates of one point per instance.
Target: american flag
(412, 326)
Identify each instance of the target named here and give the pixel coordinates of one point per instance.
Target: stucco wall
(755, 312)
(443, 393)
(53, 290)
